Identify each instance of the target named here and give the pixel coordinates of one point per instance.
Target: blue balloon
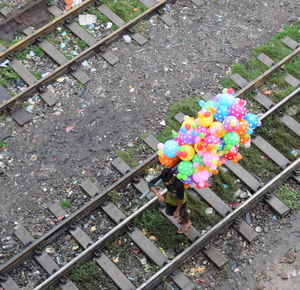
(253, 120)
(226, 100)
(222, 113)
(170, 148)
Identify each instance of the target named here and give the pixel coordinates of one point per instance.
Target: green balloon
(198, 159)
(186, 168)
(231, 138)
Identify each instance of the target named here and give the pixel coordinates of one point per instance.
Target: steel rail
(80, 57)
(220, 227)
(87, 253)
(41, 31)
(281, 103)
(81, 212)
(267, 73)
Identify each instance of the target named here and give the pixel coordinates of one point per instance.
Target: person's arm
(152, 188)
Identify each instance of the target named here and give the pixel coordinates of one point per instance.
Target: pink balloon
(210, 160)
(212, 139)
(231, 124)
(200, 176)
(238, 110)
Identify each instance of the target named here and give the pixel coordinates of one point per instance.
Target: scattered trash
(236, 270)
(143, 260)
(29, 108)
(45, 74)
(294, 152)
(70, 128)
(268, 93)
(152, 238)
(75, 248)
(4, 63)
(31, 53)
(74, 182)
(131, 278)
(93, 229)
(74, 53)
(108, 25)
(209, 210)
(258, 229)
(144, 231)
(76, 2)
(162, 122)
(115, 259)
(34, 157)
(243, 194)
(274, 217)
(61, 218)
(87, 19)
(68, 4)
(50, 250)
(127, 38)
(45, 189)
(135, 9)
(225, 185)
(64, 33)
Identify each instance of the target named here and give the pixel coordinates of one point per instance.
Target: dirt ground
(44, 159)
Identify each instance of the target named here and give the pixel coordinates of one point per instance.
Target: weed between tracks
(90, 276)
(289, 196)
(126, 9)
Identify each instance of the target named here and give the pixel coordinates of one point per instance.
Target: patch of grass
(22, 54)
(65, 203)
(257, 163)
(290, 197)
(126, 9)
(2, 118)
(92, 179)
(279, 136)
(7, 75)
(115, 196)
(188, 106)
(166, 233)
(120, 247)
(128, 156)
(2, 144)
(198, 216)
(224, 271)
(37, 74)
(9, 43)
(223, 185)
(90, 276)
(229, 83)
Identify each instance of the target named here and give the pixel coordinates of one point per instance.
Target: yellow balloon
(217, 129)
(186, 152)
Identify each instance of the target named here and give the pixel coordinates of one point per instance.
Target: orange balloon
(186, 186)
(170, 162)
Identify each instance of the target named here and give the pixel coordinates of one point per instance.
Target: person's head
(167, 176)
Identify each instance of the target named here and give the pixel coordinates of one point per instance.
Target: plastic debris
(64, 33)
(115, 259)
(108, 25)
(152, 238)
(268, 93)
(225, 185)
(70, 128)
(258, 229)
(50, 250)
(294, 152)
(76, 2)
(31, 53)
(75, 248)
(209, 210)
(144, 231)
(4, 63)
(162, 122)
(87, 19)
(93, 229)
(127, 38)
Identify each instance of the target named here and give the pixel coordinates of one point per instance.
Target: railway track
(63, 64)
(94, 249)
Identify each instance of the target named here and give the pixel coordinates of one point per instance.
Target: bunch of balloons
(204, 143)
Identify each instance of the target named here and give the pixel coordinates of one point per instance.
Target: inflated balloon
(238, 111)
(185, 169)
(217, 129)
(205, 118)
(200, 178)
(231, 138)
(211, 140)
(231, 124)
(222, 113)
(189, 137)
(186, 152)
(167, 161)
(170, 148)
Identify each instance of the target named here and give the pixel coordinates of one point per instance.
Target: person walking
(176, 199)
